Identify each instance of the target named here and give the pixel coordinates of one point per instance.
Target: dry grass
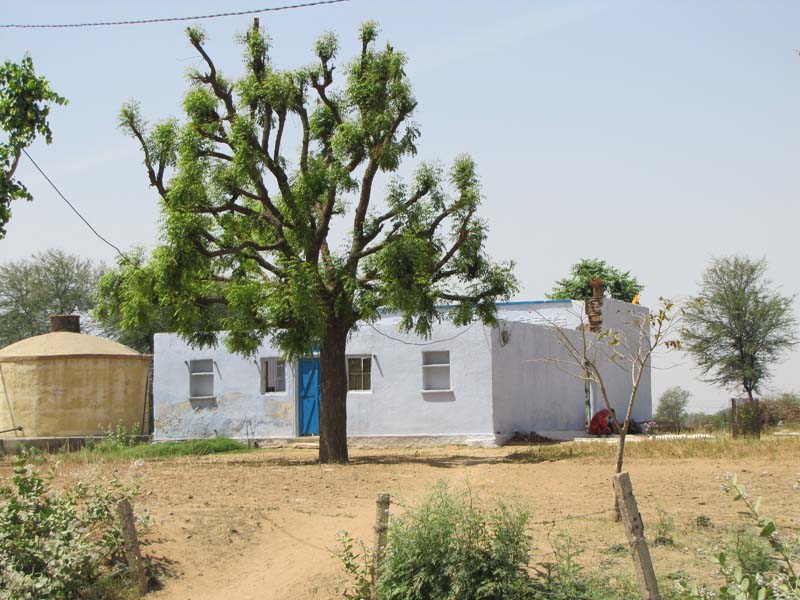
(769, 447)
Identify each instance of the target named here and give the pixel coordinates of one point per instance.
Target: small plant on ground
(119, 436)
(665, 528)
(762, 566)
(59, 545)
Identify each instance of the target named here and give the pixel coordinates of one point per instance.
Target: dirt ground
(263, 524)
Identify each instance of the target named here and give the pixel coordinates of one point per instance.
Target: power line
(75, 210)
(407, 343)
(170, 19)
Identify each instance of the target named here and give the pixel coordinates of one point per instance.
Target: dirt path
(262, 525)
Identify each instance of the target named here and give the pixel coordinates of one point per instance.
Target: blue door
(308, 393)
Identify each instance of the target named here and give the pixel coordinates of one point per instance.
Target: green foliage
(620, 285)
(448, 547)
(59, 545)
(51, 282)
(762, 566)
(665, 529)
(246, 227)
(114, 448)
(738, 326)
(25, 102)
(126, 305)
(672, 407)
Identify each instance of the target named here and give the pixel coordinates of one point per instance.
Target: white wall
(396, 405)
(536, 384)
(496, 388)
(238, 410)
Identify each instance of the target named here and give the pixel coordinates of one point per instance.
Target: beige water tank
(65, 384)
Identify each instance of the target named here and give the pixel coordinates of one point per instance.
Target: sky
(653, 135)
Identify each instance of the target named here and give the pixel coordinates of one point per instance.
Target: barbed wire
(169, 19)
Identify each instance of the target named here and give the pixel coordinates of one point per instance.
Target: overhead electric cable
(407, 343)
(170, 19)
(75, 210)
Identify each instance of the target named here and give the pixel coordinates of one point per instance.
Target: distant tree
(127, 307)
(738, 326)
(25, 101)
(672, 407)
(51, 282)
(620, 285)
(247, 236)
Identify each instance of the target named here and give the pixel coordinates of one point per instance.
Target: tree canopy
(620, 285)
(672, 407)
(127, 307)
(738, 325)
(51, 282)
(247, 228)
(25, 102)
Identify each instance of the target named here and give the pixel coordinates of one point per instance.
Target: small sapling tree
(247, 228)
(590, 355)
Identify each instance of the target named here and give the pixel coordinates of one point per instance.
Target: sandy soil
(263, 525)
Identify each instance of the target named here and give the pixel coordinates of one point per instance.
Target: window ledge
(447, 391)
(202, 397)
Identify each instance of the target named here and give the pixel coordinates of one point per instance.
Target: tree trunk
(333, 400)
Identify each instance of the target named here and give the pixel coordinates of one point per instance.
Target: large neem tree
(247, 231)
(738, 326)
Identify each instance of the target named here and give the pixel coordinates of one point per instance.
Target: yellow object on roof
(64, 343)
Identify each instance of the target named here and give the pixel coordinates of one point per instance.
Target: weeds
(665, 528)
(59, 545)
(768, 447)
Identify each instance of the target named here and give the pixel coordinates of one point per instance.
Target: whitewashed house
(473, 384)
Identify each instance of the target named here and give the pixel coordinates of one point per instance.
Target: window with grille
(201, 378)
(359, 373)
(273, 375)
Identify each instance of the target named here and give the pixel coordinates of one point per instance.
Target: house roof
(64, 343)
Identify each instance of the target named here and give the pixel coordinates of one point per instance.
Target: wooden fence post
(381, 533)
(734, 420)
(132, 553)
(636, 539)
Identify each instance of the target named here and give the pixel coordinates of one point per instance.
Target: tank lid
(64, 343)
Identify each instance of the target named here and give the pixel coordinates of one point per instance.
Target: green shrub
(449, 547)
(762, 566)
(58, 545)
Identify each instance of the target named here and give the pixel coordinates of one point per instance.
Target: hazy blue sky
(652, 135)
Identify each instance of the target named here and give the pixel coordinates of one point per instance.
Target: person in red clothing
(602, 423)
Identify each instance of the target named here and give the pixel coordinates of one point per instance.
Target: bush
(782, 408)
(58, 545)
(451, 548)
(762, 566)
(446, 548)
